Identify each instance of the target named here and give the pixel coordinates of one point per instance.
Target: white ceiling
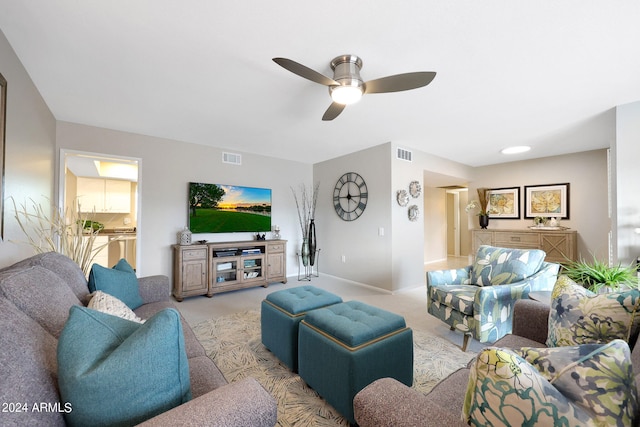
(543, 73)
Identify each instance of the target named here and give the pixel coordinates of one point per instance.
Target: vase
(312, 243)
(484, 221)
(304, 252)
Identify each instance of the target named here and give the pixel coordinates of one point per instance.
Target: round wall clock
(415, 189)
(350, 196)
(402, 197)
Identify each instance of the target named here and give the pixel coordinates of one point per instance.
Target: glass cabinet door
(226, 270)
(252, 268)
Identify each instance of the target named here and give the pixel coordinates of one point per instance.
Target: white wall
(588, 197)
(168, 166)
(408, 238)
(29, 155)
(394, 261)
(367, 255)
(435, 224)
(626, 153)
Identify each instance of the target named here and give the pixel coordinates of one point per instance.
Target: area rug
(234, 344)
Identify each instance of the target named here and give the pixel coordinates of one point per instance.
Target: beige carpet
(234, 344)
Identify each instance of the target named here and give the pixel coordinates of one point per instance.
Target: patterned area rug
(234, 344)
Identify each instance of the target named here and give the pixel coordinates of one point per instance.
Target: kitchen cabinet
(104, 195)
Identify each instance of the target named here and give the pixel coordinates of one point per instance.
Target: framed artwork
(3, 119)
(504, 203)
(546, 200)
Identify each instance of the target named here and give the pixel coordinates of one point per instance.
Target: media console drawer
(195, 254)
(276, 247)
(526, 239)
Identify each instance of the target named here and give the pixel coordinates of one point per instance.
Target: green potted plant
(598, 276)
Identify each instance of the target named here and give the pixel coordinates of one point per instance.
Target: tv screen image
(216, 208)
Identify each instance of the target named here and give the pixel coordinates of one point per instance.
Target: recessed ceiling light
(515, 150)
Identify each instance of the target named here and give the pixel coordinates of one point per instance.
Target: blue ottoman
(281, 314)
(345, 347)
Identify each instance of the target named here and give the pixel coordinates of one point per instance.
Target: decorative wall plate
(415, 189)
(402, 197)
(414, 213)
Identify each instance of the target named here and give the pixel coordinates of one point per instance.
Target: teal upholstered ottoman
(280, 315)
(345, 347)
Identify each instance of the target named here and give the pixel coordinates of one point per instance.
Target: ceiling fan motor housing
(346, 70)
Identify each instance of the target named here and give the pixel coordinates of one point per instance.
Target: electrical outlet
(344, 258)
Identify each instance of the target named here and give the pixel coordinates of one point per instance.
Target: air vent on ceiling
(232, 158)
(403, 154)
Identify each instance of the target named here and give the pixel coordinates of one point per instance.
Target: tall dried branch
(63, 231)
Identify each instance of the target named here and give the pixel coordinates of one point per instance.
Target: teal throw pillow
(120, 282)
(579, 316)
(502, 266)
(588, 385)
(123, 265)
(114, 372)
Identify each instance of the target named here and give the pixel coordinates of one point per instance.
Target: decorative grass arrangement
(66, 232)
(306, 206)
(596, 275)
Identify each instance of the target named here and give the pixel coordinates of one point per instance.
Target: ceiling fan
(347, 87)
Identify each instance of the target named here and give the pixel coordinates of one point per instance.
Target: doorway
(453, 223)
(106, 189)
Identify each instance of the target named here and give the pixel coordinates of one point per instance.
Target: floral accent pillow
(109, 304)
(501, 266)
(578, 316)
(586, 385)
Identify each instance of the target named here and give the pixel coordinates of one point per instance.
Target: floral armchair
(478, 299)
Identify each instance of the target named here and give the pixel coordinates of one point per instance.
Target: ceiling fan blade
(305, 72)
(399, 82)
(333, 111)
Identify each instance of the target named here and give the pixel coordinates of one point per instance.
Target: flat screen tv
(215, 208)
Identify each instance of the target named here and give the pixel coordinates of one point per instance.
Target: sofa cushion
(68, 270)
(585, 385)
(120, 281)
(578, 316)
(28, 370)
(458, 297)
(109, 304)
(117, 372)
(501, 266)
(41, 294)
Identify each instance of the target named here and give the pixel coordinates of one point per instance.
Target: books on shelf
(224, 266)
(226, 252)
(251, 251)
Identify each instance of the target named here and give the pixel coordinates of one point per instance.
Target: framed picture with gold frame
(504, 203)
(550, 200)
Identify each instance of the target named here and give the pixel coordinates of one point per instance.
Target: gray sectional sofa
(387, 402)
(35, 297)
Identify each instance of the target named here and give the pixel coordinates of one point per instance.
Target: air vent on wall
(232, 158)
(403, 154)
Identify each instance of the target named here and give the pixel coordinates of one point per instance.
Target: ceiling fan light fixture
(516, 149)
(346, 95)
